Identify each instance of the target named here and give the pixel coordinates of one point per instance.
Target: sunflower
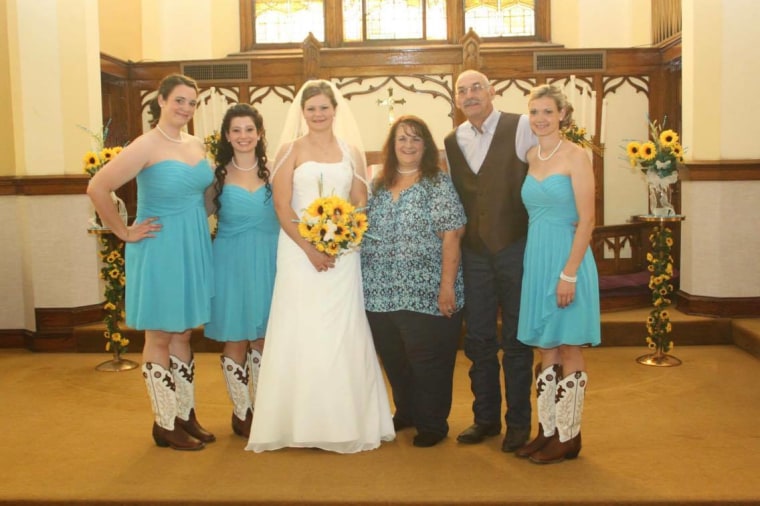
(633, 149)
(668, 138)
(648, 151)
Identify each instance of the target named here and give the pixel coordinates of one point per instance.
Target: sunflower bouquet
(333, 225)
(658, 157)
(578, 135)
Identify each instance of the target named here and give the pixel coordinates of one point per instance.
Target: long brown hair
(412, 125)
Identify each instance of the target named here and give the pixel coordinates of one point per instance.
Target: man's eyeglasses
(475, 88)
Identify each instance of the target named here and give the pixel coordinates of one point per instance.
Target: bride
(320, 385)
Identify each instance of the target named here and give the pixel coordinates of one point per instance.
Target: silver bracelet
(565, 277)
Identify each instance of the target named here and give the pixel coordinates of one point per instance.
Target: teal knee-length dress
(169, 279)
(552, 221)
(245, 257)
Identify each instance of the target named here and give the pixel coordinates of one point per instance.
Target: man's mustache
(472, 101)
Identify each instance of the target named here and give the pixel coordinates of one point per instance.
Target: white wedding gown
(320, 384)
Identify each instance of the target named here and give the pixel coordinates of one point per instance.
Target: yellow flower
(668, 138)
(109, 306)
(106, 154)
(669, 242)
(108, 346)
(316, 208)
(116, 336)
(114, 273)
(124, 342)
(634, 150)
(648, 151)
(333, 248)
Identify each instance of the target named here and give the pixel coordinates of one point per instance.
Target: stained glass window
(500, 18)
(281, 21)
(290, 21)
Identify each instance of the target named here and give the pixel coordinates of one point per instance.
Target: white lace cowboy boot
(236, 378)
(184, 374)
(254, 366)
(163, 399)
(546, 390)
(571, 391)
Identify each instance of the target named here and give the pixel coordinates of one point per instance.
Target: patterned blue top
(401, 253)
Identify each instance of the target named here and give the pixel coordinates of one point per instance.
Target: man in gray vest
(486, 157)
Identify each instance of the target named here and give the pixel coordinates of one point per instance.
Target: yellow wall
(7, 142)
(120, 25)
(601, 23)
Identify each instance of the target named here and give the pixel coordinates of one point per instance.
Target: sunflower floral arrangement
(660, 283)
(333, 225)
(659, 157)
(111, 251)
(211, 141)
(578, 135)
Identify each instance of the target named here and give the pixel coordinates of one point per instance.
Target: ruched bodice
(172, 187)
(243, 211)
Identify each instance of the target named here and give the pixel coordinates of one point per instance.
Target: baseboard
(723, 307)
(14, 338)
(55, 326)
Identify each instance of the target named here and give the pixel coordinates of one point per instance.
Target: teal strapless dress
(552, 219)
(245, 256)
(169, 277)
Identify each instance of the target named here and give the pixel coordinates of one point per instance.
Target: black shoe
(515, 439)
(476, 433)
(427, 439)
(401, 424)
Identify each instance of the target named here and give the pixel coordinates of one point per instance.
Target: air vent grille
(228, 72)
(568, 62)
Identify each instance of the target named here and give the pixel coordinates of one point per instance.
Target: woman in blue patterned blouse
(412, 276)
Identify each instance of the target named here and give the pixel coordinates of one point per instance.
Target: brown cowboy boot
(236, 378)
(184, 374)
(567, 445)
(546, 389)
(163, 398)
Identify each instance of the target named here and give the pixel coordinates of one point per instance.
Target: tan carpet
(682, 435)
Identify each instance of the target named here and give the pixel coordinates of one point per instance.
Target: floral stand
(661, 271)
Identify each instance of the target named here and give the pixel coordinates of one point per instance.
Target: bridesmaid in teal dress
(559, 306)
(169, 279)
(245, 251)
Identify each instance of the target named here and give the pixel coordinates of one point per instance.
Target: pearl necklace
(178, 141)
(249, 169)
(407, 172)
(550, 154)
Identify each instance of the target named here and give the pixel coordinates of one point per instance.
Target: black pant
(418, 352)
(493, 281)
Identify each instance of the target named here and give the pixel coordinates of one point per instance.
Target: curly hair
(551, 91)
(225, 153)
(429, 166)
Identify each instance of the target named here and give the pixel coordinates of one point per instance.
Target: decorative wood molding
(721, 170)
(726, 307)
(70, 184)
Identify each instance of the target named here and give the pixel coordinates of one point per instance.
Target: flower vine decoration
(578, 135)
(111, 252)
(660, 283)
